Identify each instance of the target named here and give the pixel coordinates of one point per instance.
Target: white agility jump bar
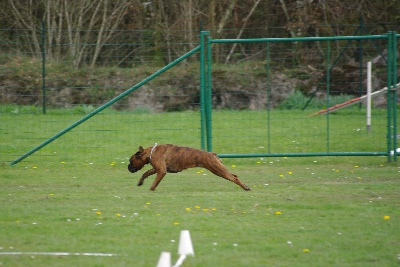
(14, 253)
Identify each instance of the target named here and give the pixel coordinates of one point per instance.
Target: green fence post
(389, 96)
(43, 68)
(394, 93)
(269, 97)
(360, 61)
(328, 76)
(202, 91)
(205, 91)
(209, 95)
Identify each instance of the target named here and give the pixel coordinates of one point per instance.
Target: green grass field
(77, 196)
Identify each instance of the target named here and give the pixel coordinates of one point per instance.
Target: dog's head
(137, 161)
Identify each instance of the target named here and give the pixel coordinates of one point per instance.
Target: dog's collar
(152, 150)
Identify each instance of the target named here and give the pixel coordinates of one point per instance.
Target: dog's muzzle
(132, 169)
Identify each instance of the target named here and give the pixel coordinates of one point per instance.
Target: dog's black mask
(132, 169)
(136, 162)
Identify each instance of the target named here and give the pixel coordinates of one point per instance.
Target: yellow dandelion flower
(188, 209)
(98, 212)
(176, 223)
(281, 175)
(278, 213)
(34, 167)
(386, 217)
(197, 207)
(205, 209)
(118, 215)
(306, 250)
(290, 172)
(148, 203)
(258, 162)
(214, 209)
(233, 166)
(62, 162)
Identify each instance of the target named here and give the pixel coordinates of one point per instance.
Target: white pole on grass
(185, 247)
(369, 91)
(164, 260)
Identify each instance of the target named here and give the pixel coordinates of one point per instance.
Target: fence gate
(317, 73)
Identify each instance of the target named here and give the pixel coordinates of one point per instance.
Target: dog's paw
(140, 183)
(247, 188)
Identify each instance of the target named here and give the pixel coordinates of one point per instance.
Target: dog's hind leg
(221, 171)
(239, 183)
(145, 175)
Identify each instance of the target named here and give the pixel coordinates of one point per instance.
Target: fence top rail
(297, 39)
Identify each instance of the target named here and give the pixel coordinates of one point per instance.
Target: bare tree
(85, 17)
(227, 15)
(22, 13)
(77, 22)
(79, 30)
(242, 29)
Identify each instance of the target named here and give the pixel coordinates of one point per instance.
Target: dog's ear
(141, 149)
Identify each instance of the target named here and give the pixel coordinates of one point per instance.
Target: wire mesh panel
(284, 94)
(163, 110)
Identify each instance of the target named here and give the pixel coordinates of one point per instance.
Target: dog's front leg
(145, 175)
(158, 179)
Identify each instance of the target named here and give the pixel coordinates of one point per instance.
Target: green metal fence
(267, 138)
(267, 130)
(106, 105)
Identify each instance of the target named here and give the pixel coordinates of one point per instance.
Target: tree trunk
(242, 29)
(227, 15)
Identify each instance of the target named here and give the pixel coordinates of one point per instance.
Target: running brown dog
(173, 159)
